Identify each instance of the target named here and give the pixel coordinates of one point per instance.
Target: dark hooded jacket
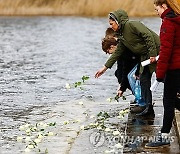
(137, 38)
(169, 58)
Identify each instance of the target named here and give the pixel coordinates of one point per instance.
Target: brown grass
(75, 7)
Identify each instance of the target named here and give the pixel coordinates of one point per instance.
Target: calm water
(38, 56)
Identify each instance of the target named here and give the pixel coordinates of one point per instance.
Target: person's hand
(100, 72)
(120, 93)
(152, 60)
(136, 77)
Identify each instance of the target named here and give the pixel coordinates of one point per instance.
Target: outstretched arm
(100, 72)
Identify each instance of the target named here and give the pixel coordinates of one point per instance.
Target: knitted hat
(175, 5)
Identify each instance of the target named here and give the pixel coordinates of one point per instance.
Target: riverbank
(75, 7)
(124, 134)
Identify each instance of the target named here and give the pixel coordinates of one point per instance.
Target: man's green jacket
(136, 37)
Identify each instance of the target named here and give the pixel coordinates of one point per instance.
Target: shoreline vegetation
(92, 8)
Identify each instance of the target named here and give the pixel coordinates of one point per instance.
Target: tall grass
(75, 7)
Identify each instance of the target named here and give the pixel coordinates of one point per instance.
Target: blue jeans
(132, 82)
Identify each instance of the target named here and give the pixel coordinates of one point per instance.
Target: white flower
(41, 124)
(50, 134)
(26, 125)
(19, 139)
(30, 146)
(27, 150)
(92, 117)
(126, 111)
(34, 128)
(91, 124)
(107, 130)
(78, 120)
(82, 127)
(109, 151)
(27, 138)
(96, 124)
(68, 86)
(99, 128)
(116, 133)
(40, 136)
(22, 128)
(119, 146)
(44, 125)
(109, 99)
(120, 117)
(66, 122)
(121, 112)
(37, 140)
(28, 130)
(81, 103)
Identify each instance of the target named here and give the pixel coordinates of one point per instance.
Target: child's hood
(121, 16)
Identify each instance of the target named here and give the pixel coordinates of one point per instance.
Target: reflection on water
(38, 56)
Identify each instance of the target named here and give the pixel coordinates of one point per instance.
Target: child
(142, 42)
(128, 62)
(168, 67)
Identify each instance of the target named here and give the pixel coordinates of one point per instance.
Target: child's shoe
(162, 140)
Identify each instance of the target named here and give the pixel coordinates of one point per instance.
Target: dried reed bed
(75, 7)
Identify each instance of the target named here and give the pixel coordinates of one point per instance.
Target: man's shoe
(160, 141)
(133, 103)
(149, 111)
(137, 109)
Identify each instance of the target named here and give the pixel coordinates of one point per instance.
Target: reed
(75, 7)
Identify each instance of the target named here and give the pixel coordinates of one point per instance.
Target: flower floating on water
(28, 130)
(109, 99)
(50, 134)
(27, 150)
(123, 112)
(81, 103)
(66, 122)
(107, 130)
(40, 136)
(78, 120)
(82, 127)
(30, 146)
(19, 139)
(84, 78)
(21, 128)
(37, 140)
(27, 139)
(78, 83)
(109, 151)
(68, 86)
(115, 133)
(92, 117)
(118, 146)
(116, 98)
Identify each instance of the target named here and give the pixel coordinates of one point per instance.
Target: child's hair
(174, 4)
(110, 32)
(160, 2)
(107, 42)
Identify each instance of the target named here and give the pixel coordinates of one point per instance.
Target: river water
(39, 55)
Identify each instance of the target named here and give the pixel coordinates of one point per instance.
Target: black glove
(159, 79)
